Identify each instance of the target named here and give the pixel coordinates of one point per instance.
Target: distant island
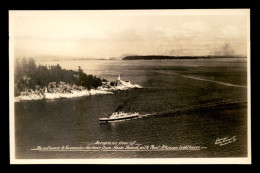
(162, 57)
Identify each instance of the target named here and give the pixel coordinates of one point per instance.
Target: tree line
(30, 76)
(163, 57)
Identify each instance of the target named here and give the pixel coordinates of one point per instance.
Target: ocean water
(193, 102)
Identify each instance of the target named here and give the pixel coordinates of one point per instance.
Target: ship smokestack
(120, 108)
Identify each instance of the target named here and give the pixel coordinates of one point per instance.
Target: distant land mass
(83, 59)
(160, 57)
(66, 58)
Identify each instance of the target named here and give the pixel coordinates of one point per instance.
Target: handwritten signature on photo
(225, 140)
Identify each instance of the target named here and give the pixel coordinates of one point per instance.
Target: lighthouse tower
(118, 77)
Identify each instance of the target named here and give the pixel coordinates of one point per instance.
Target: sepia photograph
(130, 86)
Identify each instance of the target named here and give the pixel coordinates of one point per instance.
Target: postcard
(130, 86)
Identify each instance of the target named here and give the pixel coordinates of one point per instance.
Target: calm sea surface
(194, 102)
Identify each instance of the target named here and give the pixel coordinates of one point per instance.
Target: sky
(108, 34)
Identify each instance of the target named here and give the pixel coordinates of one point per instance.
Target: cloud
(190, 30)
(136, 34)
(195, 26)
(230, 31)
(102, 35)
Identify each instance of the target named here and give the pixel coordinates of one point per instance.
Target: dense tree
(225, 52)
(88, 81)
(28, 75)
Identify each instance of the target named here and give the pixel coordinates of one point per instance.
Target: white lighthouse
(118, 77)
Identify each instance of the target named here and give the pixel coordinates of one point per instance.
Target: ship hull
(116, 119)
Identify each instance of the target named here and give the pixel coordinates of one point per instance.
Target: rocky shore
(64, 90)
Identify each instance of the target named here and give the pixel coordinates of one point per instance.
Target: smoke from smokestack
(225, 50)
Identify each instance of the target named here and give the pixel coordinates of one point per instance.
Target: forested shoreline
(162, 57)
(29, 76)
